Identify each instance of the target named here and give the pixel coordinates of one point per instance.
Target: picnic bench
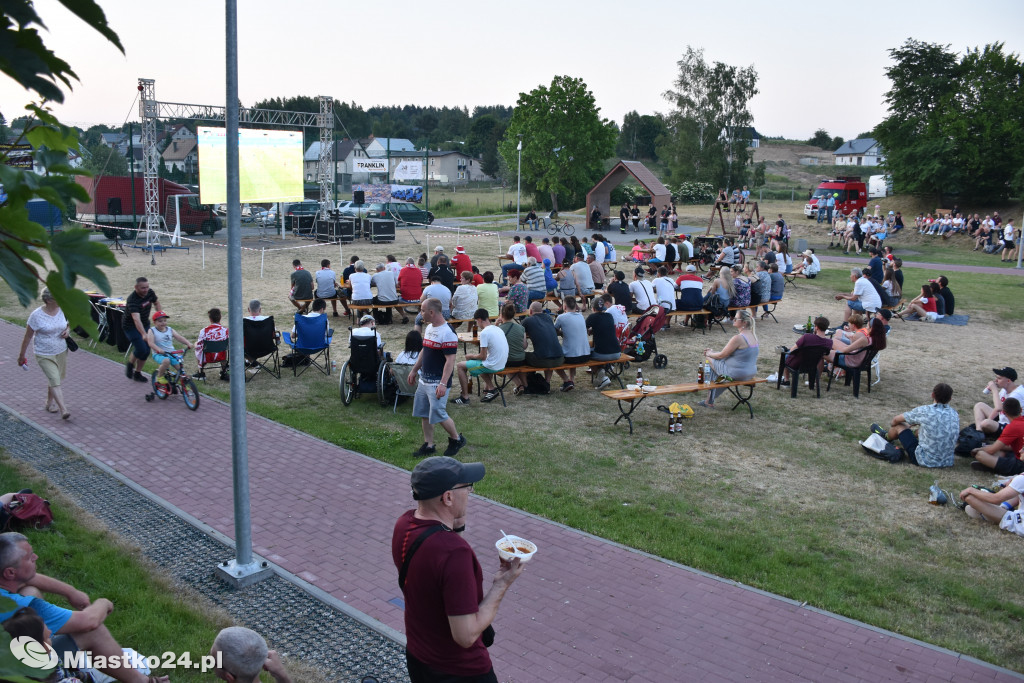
(614, 368)
(400, 306)
(306, 303)
(631, 398)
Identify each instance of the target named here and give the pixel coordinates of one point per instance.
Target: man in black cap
(990, 418)
(447, 615)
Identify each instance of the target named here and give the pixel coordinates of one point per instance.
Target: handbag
(72, 344)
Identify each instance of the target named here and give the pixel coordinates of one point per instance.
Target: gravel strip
(294, 622)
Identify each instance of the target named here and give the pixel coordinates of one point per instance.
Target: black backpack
(969, 439)
(536, 384)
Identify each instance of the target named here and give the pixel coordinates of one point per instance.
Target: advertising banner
(370, 166)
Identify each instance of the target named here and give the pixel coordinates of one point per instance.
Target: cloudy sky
(819, 64)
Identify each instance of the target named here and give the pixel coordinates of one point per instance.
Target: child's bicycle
(178, 382)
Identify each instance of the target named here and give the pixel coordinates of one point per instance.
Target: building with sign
(445, 167)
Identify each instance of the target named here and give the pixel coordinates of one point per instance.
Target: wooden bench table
(355, 309)
(632, 399)
(614, 368)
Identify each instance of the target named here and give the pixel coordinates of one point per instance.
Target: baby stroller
(359, 374)
(638, 341)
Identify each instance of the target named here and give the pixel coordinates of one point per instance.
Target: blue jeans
(537, 294)
(510, 266)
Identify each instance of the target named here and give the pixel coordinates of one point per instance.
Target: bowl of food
(510, 547)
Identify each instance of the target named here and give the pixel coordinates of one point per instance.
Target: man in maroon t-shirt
(1003, 455)
(447, 614)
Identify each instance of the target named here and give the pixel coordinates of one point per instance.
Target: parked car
(353, 209)
(402, 212)
(303, 208)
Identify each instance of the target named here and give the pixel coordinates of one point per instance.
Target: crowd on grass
(554, 308)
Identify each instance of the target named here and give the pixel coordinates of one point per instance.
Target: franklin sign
(370, 166)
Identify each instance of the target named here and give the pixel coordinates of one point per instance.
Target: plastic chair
(809, 363)
(312, 341)
(853, 374)
(259, 339)
(394, 378)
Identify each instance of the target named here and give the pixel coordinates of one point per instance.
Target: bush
(695, 193)
(441, 205)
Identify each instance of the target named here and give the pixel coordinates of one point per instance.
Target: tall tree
(100, 159)
(565, 140)
(26, 59)
(955, 124)
(639, 136)
(821, 138)
(709, 125)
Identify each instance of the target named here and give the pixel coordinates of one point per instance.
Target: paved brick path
(584, 610)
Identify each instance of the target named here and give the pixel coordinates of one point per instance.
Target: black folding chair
(259, 339)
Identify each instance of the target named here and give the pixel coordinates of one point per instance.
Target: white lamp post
(519, 175)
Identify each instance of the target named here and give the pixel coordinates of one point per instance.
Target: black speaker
(359, 197)
(114, 206)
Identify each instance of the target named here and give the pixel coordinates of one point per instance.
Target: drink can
(986, 391)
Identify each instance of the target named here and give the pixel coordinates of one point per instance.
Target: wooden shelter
(600, 194)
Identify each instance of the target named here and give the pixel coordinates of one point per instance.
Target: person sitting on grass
(83, 628)
(212, 332)
(161, 339)
(1002, 507)
(26, 623)
(1003, 455)
(243, 654)
(939, 425)
(809, 268)
(923, 306)
(491, 359)
(991, 419)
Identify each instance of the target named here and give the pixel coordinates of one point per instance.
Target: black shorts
(576, 360)
(1008, 466)
(908, 439)
(515, 363)
(811, 276)
(421, 673)
(533, 360)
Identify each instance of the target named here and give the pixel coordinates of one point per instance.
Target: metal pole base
(242, 575)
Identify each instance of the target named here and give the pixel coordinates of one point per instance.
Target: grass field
(786, 502)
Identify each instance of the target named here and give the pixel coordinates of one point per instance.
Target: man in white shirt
(517, 250)
(491, 359)
(643, 293)
(990, 418)
(360, 282)
(809, 268)
(665, 289)
(864, 297)
(600, 251)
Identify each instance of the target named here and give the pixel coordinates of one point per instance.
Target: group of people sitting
(853, 232)
(240, 654)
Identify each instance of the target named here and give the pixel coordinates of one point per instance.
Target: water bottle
(707, 371)
(24, 366)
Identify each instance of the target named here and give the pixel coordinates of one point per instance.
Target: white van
(879, 186)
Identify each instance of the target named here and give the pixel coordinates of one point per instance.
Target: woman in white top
(48, 330)
(464, 301)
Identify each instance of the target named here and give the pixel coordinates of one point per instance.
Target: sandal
(489, 396)
(705, 404)
(66, 416)
(518, 391)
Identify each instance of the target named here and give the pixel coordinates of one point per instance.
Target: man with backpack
(447, 614)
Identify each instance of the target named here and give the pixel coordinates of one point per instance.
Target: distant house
(344, 153)
(113, 139)
(445, 167)
(179, 132)
(378, 147)
(859, 152)
(182, 155)
(750, 134)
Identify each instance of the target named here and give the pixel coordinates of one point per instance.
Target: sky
(819, 65)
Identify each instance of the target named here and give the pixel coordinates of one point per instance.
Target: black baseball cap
(437, 474)
(1008, 373)
(885, 313)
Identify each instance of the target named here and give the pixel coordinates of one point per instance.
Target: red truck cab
(850, 192)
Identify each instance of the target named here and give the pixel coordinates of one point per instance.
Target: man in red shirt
(1003, 455)
(447, 615)
(531, 249)
(410, 282)
(461, 261)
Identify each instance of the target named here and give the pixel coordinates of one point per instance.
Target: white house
(860, 152)
(378, 147)
(445, 166)
(345, 152)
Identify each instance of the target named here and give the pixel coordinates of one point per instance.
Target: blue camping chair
(312, 347)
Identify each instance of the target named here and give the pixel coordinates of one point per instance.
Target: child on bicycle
(161, 338)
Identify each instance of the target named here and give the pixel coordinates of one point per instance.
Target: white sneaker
(605, 382)
(774, 377)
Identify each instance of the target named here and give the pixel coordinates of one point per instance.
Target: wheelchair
(360, 374)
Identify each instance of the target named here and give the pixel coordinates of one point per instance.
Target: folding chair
(312, 342)
(99, 314)
(260, 342)
(394, 378)
(214, 353)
